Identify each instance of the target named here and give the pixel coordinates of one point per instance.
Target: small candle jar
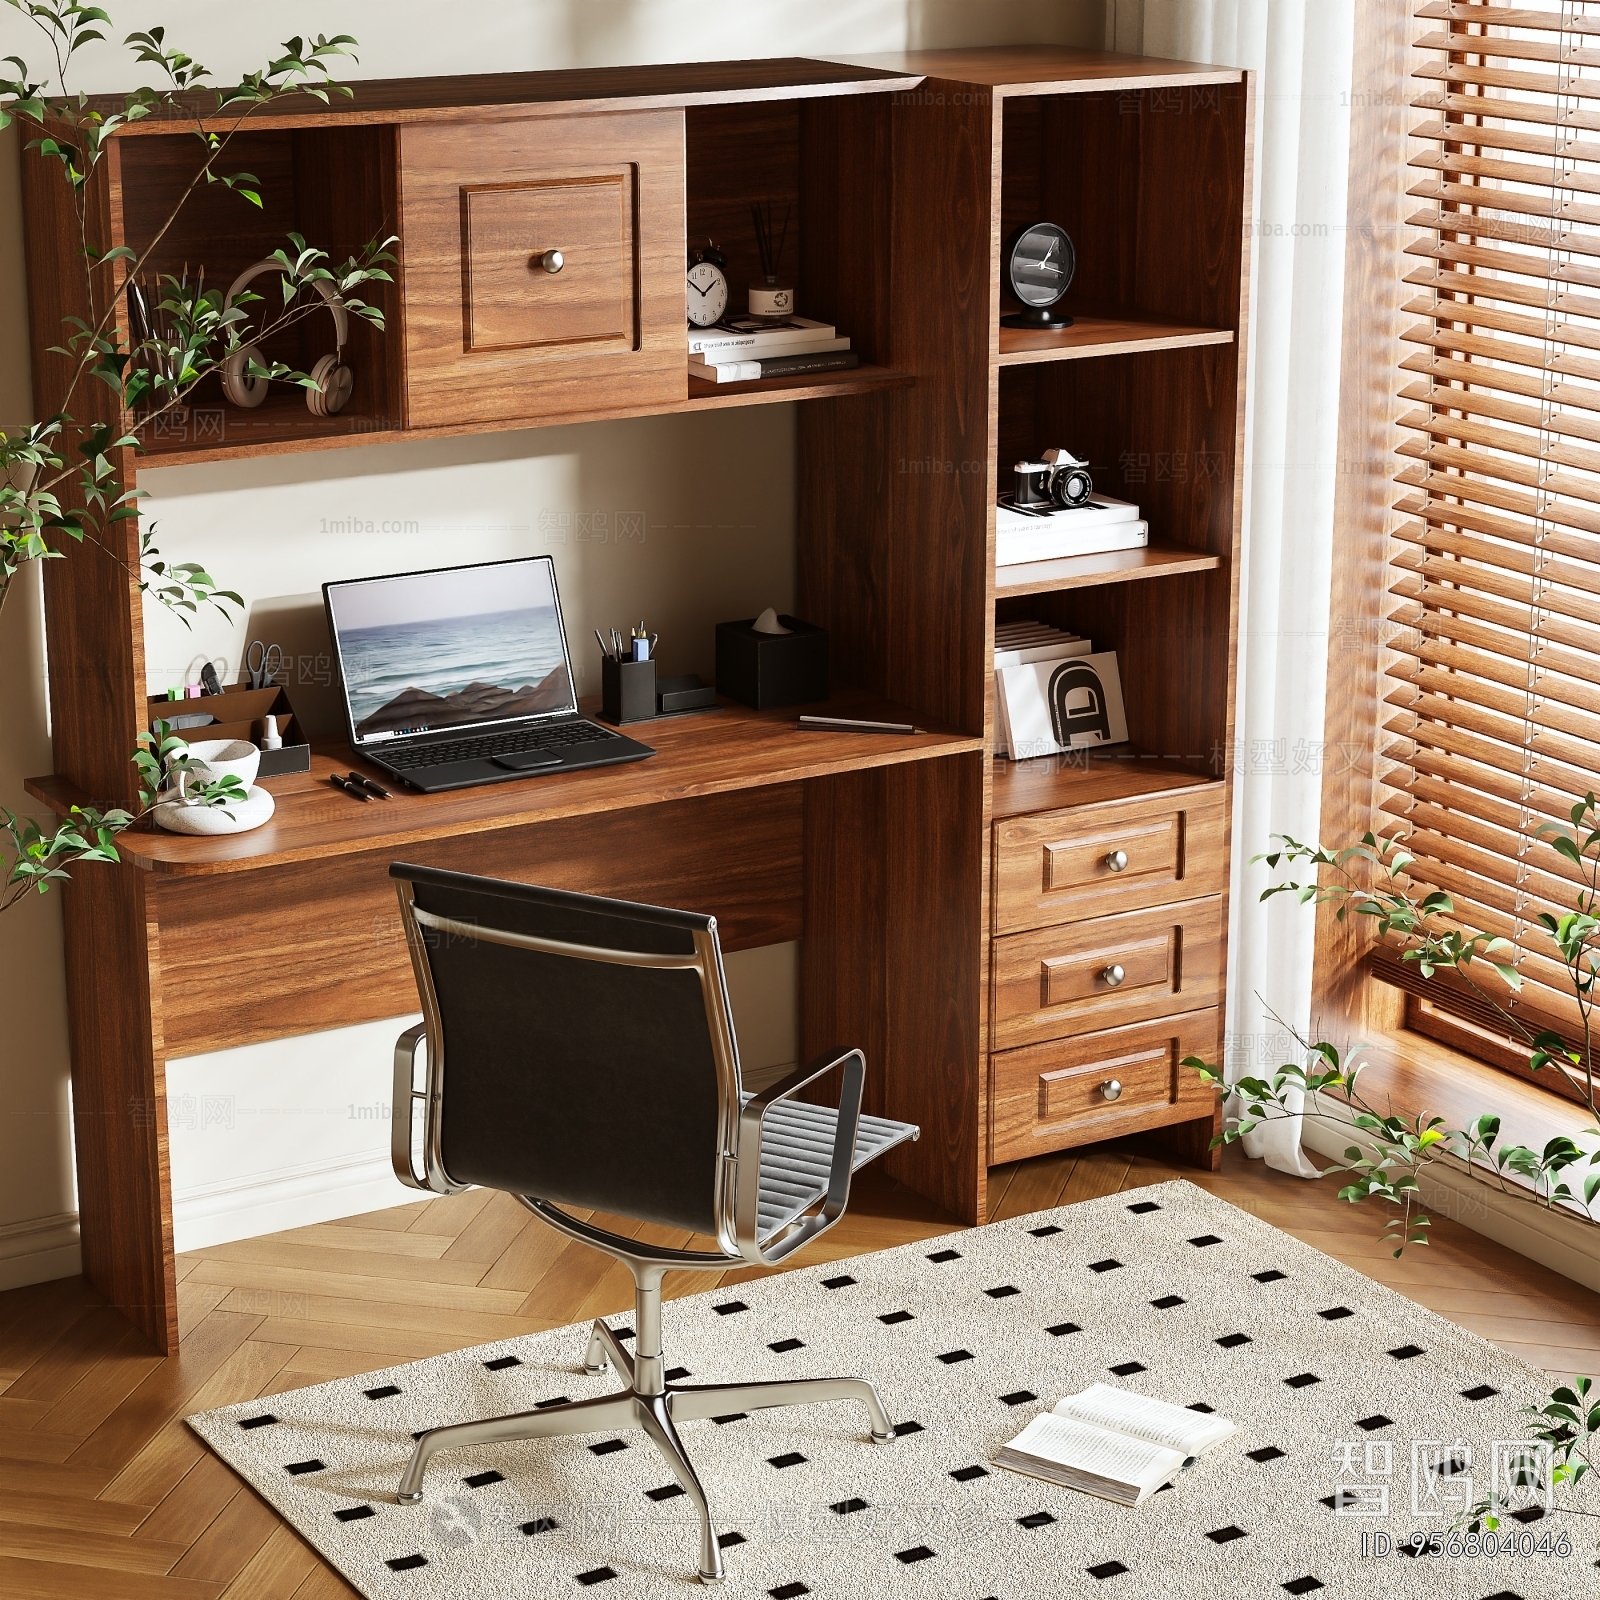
(772, 300)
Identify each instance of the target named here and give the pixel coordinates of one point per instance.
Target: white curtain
(1302, 52)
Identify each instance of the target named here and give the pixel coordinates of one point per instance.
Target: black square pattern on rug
(842, 1281)
(266, 1419)
(554, 1400)
(1479, 1391)
(667, 1491)
(790, 1458)
(355, 1514)
(1168, 1301)
(608, 1447)
(1200, 1405)
(1045, 1232)
(918, 1552)
(596, 1575)
(539, 1525)
(481, 1480)
(945, 1255)
(382, 1392)
(789, 1591)
(1201, 1240)
(298, 1469)
(1141, 1208)
(967, 1474)
(405, 1563)
(1035, 1519)
(1232, 1341)
(1106, 1569)
(1305, 1585)
(1271, 1275)
(1374, 1422)
(1302, 1380)
(1057, 1329)
(1268, 1452)
(1110, 1264)
(1335, 1314)
(781, 1347)
(677, 1374)
(847, 1508)
(730, 1538)
(1406, 1352)
(1126, 1369)
(891, 1318)
(901, 1429)
(730, 1416)
(950, 1357)
(500, 1363)
(1018, 1397)
(1225, 1535)
(730, 1308)
(1002, 1291)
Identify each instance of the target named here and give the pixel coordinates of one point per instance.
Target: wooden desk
(293, 928)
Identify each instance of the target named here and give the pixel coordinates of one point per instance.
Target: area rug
(1350, 1401)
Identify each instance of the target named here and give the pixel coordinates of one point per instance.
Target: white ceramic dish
(222, 758)
(178, 817)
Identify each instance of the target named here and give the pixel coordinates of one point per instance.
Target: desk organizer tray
(239, 710)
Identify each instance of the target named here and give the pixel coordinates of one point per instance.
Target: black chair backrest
(567, 1078)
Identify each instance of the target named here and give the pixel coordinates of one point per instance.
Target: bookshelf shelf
(1115, 772)
(705, 396)
(1109, 566)
(1104, 336)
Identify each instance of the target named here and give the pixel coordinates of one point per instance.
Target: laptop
(462, 676)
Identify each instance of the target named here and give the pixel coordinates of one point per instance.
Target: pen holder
(627, 690)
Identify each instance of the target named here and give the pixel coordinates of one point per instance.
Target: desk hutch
(957, 915)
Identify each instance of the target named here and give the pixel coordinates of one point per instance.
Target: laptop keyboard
(513, 743)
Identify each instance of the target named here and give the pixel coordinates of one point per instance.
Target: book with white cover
(1113, 1443)
(749, 340)
(1103, 524)
(1046, 707)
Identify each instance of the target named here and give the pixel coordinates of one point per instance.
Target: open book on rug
(1110, 1442)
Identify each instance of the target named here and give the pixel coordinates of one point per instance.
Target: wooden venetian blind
(1495, 725)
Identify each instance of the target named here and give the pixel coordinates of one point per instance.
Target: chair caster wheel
(409, 1499)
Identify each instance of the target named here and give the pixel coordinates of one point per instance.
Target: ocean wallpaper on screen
(441, 672)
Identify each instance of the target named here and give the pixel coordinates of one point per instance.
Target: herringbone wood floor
(105, 1493)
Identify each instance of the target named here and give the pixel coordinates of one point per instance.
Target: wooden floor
(105, 1493)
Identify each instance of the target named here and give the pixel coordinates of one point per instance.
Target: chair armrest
(403, 1110)
(752, 1120)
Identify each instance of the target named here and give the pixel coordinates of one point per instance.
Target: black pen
(371, 787)
(348, 787)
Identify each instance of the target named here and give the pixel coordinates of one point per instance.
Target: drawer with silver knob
(1099, 1085)
(1051, 982)
(1085, 861)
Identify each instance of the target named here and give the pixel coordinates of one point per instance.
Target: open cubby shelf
(1107, 566)
(1084, 777)
(1103, 336)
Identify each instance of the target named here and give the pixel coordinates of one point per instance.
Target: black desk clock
(1039, 261)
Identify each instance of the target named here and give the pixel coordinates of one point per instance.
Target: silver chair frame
(649, 1402)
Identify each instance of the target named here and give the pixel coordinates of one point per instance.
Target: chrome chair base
(652, 1406)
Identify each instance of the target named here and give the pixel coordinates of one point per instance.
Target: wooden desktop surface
(728, 749)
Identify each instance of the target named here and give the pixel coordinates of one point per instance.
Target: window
(1495, 671)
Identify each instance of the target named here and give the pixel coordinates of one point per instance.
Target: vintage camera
(1060, 480)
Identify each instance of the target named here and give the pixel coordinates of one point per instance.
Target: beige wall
(275, 1134)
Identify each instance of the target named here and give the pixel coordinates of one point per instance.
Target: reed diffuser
(773, 299)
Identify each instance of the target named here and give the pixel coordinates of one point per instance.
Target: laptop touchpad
(527, 761)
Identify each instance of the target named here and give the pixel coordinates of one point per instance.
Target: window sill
(1409, 1075)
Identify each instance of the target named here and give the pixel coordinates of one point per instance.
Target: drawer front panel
(1106, 973)
(1099, 1085)
(1065, 866)
(489, 334)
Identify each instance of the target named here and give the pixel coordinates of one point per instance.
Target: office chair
(581, 1053)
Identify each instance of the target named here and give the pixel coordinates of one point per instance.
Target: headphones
(332, 380)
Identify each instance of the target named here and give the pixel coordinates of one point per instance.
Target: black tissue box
(772, 669)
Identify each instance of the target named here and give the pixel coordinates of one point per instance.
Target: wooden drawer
(489, 334)
(1061, 866)
(1052, 1096)
(1058, 981)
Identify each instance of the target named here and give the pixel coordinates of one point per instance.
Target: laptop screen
(463, 647)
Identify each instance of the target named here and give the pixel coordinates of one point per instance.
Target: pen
(348, 787)
(854, 725)
(371, 787)
(601, 642)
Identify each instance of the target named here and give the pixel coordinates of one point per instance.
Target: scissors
(263, 671)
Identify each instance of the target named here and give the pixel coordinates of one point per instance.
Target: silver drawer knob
(551, 261)
(1117, 860)
(1112, 1090)
(1114, 974)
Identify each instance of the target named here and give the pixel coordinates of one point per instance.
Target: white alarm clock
(707, 289)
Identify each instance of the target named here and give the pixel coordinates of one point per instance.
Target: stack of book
(1052, 692)
(1046, 533)
(738, 349)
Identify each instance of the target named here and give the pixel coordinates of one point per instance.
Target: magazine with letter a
(1050, 706)
(1113, 1443)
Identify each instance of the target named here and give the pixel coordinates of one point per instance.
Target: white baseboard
(288, 1197)
(1553, 1236)
(39, 1250)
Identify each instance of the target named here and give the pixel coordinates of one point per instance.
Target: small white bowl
(217, 758)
